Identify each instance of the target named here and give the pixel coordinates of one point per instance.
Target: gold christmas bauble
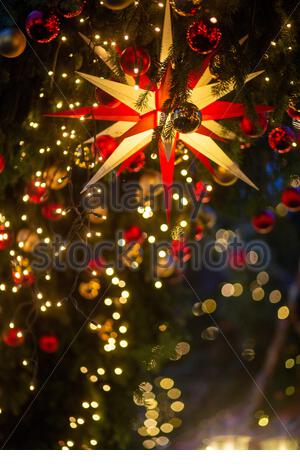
(57, 178)
(224, 177)
(150, 183)
(89, 290)
(27, 240)
(12, 42)
(165, 267)
(186, 7)
(97, 215)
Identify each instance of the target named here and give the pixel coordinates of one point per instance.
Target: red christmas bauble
(291, 199)
(203, 37)
(135, 61)
(49, 343)
(199, 232)
(13, 337)
(36, 192)
(104, 99)
(105, 145)
(97, 264)
(133, 234)
(2, 163)
(70, 8)
(256, 128)
(42, 27)
(26, 279)
(264, 222)
(52, 211)
(136, 162)
(281, 139)
(180, 250)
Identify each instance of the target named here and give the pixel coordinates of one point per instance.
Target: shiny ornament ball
(135, 61)
(281, 139)
(36, 192)
(256, 128)
(150, 183)
(117, 4)
(224, 177)
(70, 8)
(293, 109)
(203, 37)
(2, 163)
(13, 337)
(89, 290)
(5, 237)
(290, 198)
(104, 146)
(136, 163)
(187, 118)
(165, 267)
(104, 99)
(27, 240)
(264, 222)
(49, 343)
(84, 157)
(42, 27)
(12, 42)
(133, 234)
(52, 211)
(57, 178)
(186, 7)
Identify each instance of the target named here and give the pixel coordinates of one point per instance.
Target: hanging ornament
(49, 343)
(89, 290)
(264, 222)
(291, 199)
(135, 61)
(5, 236)
(281, 139)
(186, 7)
(180, 251)
(70, 8)
(12, 42)
(42, 27)
(103, 148)
(132, 256)
(22, 273)
(104, 99)
(97, 215)
(294, 108)
(165, 266)
(27, 240)
(203, 37)
(150, 184)
(133, 234)
(223, 177)
(13, 337)
(186, 118)
(2, 163)
(57, 178)
(256, 128)
(134, 164)
(53, 211)
(117, 4)
(36, 191)
(84, 157)
(199, 232)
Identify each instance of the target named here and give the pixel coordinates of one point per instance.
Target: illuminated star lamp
(134, 129)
